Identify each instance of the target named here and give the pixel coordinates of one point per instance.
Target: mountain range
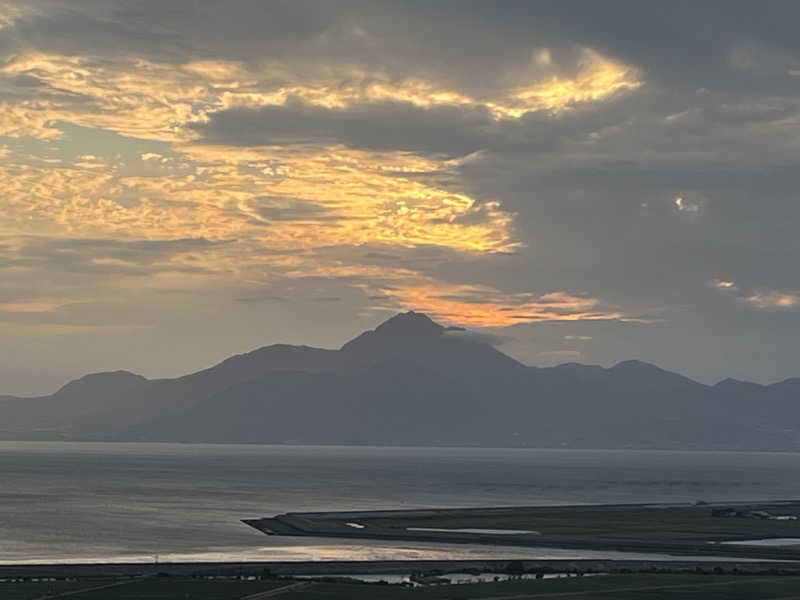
(412, 381)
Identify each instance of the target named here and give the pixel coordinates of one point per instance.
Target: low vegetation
(701, 523)
(156, 588)
(611, 587)
(617, 587)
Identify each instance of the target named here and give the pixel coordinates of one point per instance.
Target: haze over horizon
(584, 182)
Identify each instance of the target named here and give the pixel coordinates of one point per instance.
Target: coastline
(658, 532)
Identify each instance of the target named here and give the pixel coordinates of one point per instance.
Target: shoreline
(394, 525)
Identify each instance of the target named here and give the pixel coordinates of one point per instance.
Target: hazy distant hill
(412, 381)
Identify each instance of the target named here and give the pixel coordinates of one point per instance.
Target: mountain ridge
(410, 381)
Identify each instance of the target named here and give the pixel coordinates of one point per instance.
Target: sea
(65, 502)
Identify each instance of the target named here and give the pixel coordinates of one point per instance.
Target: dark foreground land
(707, 569)
(634, 587)
(611, 587)
(676, 529)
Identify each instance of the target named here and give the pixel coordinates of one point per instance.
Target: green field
(157, 588)
(677, 523)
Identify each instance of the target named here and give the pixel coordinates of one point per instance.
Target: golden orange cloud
(352, 198)
(484, 306)
(279, 207)
(147, 99)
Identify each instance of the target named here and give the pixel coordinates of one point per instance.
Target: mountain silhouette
(412, 381)
(416, 337)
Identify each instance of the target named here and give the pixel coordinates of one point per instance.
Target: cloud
(722, 284)
(772, 300)
(439, 156)
(342, 196)
(81, 254)
(449, 130)
(687, 206)
(261, 298)
(81, 315)
(51, 281)
(149, 82)
(491, 339)
(761, 299)
(276, 208)
(484, 306)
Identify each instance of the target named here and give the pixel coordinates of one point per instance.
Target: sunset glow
(272, 165)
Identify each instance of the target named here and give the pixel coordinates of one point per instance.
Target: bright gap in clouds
(266, 201)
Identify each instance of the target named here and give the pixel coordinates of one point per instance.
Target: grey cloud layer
(716, 122)
(35, 268)
(374, 126)
(737, 46)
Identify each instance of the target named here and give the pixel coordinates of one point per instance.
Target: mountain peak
(634, 364)
(638, 367)
(786, 383)
(400, 330)
(410, 324)
(100, 381)
(644, 371)
(730, 383)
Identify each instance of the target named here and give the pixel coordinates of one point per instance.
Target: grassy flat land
(158, 588)
(611, 587)
(623, 587)
(686, 523)
(36, 589)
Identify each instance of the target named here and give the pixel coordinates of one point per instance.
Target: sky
(584, 181)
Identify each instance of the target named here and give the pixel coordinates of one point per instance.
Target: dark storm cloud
(736, 46)
(389, 36)
(171, 32)
(652, 128)
(375, 126)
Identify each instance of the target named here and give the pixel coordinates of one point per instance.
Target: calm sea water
(97, 502)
